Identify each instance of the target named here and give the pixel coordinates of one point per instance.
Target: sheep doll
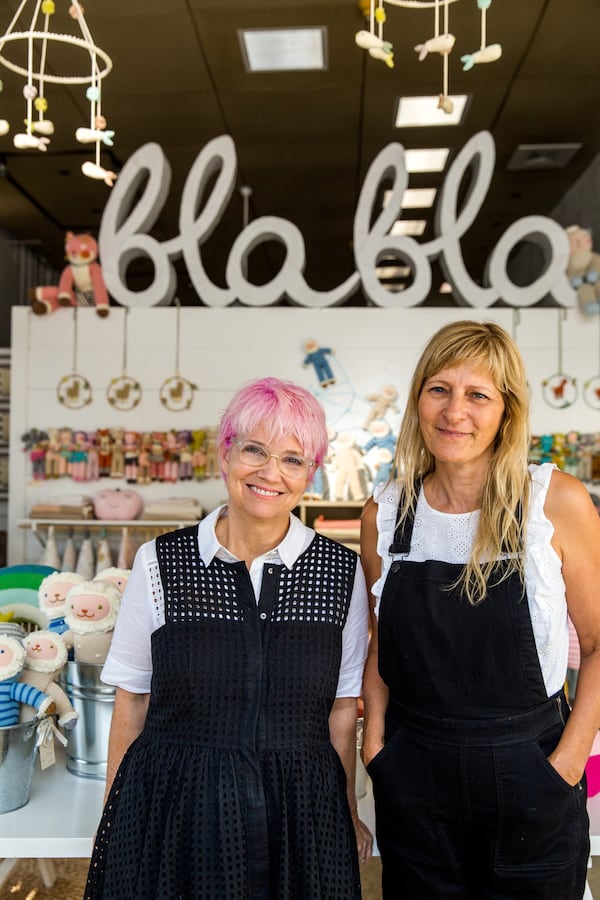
(51, 597)
(115, 576)
(45, 658)
(13, 691)
(91, 613)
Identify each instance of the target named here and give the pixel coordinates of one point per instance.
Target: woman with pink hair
(238, 659)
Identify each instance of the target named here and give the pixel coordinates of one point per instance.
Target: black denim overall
(467, 804)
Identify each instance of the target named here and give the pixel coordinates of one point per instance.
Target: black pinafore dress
(233, 790)
(467, 804)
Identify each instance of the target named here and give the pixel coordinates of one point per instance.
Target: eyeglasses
(292, 465)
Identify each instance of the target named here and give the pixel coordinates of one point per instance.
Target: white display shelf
(60, 819)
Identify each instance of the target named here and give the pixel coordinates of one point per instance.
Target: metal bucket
(87, 748)
(18, 753)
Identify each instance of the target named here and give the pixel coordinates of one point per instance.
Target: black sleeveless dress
(233, 789)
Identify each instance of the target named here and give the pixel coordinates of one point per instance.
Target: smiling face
(263, 492)
(460, 413)
(88, 607)
(41, 647)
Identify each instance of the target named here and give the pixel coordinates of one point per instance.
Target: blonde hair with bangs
(505, 498)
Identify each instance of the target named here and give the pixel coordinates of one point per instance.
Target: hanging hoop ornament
(74, 391)
(591, 387)
(560, 390)
(177, 393)
(124, 393)
(33, 30)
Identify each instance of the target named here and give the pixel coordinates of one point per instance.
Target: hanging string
(75, 338)
(380, 21)
(562, 314)
(125, 340)
(483, 27)
(445, 55)
(516, 320)
(177, 326)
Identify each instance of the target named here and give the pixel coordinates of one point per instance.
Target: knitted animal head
(45, 652)
(80, 248)
(53, 590)
(113, 575)
(12, 658)
(91, 607)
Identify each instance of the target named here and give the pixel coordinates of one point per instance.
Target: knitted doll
(115, 576)
(13, 691)
(91, 613)
(51, 597)
(45, 658)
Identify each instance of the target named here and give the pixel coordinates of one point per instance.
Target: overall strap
(403, 530)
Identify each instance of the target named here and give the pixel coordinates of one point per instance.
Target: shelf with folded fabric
(337, 519)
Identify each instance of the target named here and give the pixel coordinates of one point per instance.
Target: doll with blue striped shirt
(13, 691)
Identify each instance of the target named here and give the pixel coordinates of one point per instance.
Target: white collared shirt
(129, 662)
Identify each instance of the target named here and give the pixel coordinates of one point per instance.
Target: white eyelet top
(448, 537)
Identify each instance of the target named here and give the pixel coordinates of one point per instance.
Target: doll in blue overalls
(474, 559)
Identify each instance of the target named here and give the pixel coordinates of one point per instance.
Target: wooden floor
(25, 881)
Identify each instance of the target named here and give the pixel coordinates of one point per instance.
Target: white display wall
(219, 349)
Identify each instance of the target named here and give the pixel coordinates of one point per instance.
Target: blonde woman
(474, 560)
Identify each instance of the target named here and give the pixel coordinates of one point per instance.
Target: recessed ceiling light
(414, 198)
(415, 112)
(542, 156)
(410, 227)
(283, 49)
(432, 160)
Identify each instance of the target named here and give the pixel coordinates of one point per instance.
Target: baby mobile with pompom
(36, 31)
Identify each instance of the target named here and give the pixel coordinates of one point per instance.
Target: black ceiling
(305, 140)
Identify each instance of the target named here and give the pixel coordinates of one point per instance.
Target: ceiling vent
(528, 157)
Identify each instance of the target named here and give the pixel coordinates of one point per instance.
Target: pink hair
(283, 408)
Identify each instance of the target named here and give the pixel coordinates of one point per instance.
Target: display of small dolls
(384, 463)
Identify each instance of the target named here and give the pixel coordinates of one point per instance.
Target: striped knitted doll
(13, 692)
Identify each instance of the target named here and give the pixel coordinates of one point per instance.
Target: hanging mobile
(74, 390)
(591, 387)
(560, 390)
(177, 393)
(124, 392)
